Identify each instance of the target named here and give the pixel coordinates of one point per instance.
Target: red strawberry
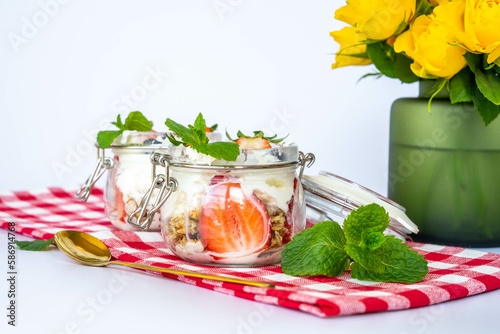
(253, 142)
(219, 178)
(257, 141)
(231, 222)
(120, 205)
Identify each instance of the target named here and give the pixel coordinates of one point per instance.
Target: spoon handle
(195, 274)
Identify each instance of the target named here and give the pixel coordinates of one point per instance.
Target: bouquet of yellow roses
(455, 42)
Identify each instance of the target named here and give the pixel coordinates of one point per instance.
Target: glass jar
(238, 213)
(129, 176)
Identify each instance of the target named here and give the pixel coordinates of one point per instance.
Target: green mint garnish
(35, 245)
(326, 249)
(318, 250)
(365, 225)
(195, 136)
(135, 121)
(393, 261)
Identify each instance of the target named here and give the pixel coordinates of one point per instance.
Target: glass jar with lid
(238, 213)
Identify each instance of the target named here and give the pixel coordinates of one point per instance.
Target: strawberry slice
(253, 142)
(258, 140)
(231, 222)
(120, 205)
(220, 178)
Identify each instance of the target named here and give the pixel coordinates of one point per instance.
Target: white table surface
(58, 295)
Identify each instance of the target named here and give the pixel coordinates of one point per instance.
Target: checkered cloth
(453, 272)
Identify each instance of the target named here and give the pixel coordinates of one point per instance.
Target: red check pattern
(453, 272)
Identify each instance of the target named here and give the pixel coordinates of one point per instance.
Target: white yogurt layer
(191, 156)
(277, 184)
(134, 137)
(134, 176)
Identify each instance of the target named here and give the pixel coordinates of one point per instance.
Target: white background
(243, 65)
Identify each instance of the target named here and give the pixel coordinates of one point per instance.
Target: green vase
(444, 168)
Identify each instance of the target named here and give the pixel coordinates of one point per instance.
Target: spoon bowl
(89, 250)
(83, 248)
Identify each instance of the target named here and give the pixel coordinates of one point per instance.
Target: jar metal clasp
(305, 160)
(103, 163)
(166, 186)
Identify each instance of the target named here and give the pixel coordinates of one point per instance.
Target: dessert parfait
(236, 209)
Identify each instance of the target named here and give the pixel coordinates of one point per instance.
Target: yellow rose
(351, 43)
(376, 19)
(427, 43)
(476, 24)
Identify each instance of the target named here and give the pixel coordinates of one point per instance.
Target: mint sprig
(35, 245)
(135, 121)
(323, 255)
(195, 136)
(326, 249)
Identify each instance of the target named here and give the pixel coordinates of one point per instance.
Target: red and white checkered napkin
(454, 272)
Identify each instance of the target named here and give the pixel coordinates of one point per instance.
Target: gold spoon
(91, 251)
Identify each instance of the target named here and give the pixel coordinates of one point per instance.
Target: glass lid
(329, 195)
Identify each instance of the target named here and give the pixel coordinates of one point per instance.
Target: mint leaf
(364, 256)
(220, 150)
(326, 249)
(186, 134)
(366, 219)
(462, 86)
(200, 129)
(393, 261)
(35, 245)
(172, 139)
(136, 121)
(119, 123)
(318, 250)
(382, 61)
(196, 137)
(372, 240)
(106, 138)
